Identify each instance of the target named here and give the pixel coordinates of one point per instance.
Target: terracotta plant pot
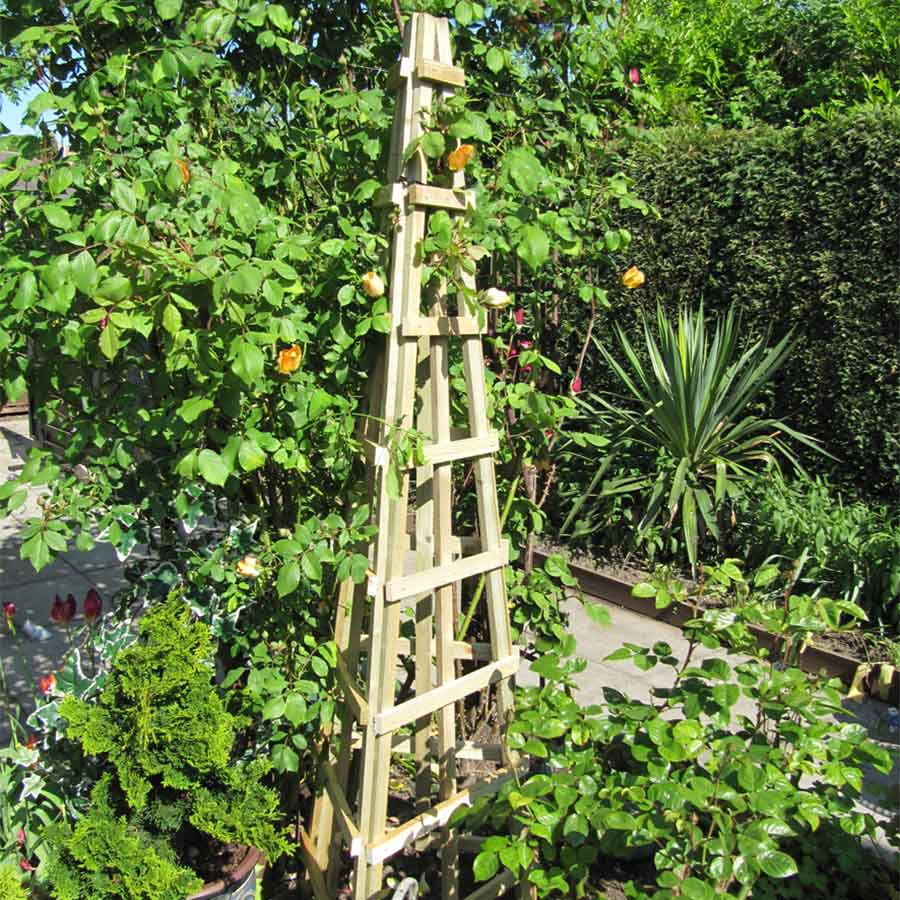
(238, 885)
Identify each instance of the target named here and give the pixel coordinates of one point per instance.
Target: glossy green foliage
(691, 404)
(714, 778)
(849, 548)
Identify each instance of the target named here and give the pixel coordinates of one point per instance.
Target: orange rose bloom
(248, 567)
(289, 360)
(460, 157)
(373, 284)
(633, 278)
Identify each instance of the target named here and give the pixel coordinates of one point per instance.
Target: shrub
(849, 548)
(695, 417)
(795, 227)
(711, 777)
(173, 778)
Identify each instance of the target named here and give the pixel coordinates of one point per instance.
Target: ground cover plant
(715, 777)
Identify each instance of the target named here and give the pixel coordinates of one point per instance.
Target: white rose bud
(494, 298)
(372, 284)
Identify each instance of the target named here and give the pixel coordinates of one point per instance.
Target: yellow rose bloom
(460, 157)
(633, 277)
(289, 360)
(372, 284)
(248, 567)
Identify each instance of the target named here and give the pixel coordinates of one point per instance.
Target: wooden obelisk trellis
(411, 388)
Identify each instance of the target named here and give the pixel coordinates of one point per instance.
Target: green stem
(473, 604)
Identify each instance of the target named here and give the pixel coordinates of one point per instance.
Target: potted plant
(176, 812)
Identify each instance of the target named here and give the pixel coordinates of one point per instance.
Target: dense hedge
(800, 226)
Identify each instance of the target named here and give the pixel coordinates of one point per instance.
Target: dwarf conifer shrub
(173, 782)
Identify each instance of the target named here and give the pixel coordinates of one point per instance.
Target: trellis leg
(424, 560)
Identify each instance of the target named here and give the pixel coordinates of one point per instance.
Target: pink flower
(634, 76)
(24, 865)
(576, 385)
(519, 316)
(511, 353)
(524, 345)
(93, 605)
(20, 836)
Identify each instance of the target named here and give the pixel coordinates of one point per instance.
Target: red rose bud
(71, 607)
(24, 865)
(634, 76)
(31, 743)
(61, 612)
(92, 605)
(524, 345)
(20, 836)
(9, 609)
(511, 353)
(519, 316)
(48, 683)
(576, 385)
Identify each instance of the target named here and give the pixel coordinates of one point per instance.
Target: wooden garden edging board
(618, 592)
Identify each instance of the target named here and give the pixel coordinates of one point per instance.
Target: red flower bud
(71, 607)
(62, 610)
(9, 609)
(634, 76)
(48, 683)
(31, 743)
(576, 385)
(524, 345)
(20, 836)
(519, 316)
(92, 605)
(24, 865)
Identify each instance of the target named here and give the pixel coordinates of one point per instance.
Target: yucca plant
(692, 411)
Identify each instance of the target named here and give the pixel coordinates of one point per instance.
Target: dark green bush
(798, 227)
(852, 549)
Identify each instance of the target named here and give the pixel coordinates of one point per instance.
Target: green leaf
(84, 272)
(251, 456)
(485, 866)
(776, 864)
(312, 568)
(495, 60)
(643, 589)
(167, 9)
(56, 215)
(109, 341)
(284, 759)
(171, 319)
(288, 578)
(60, 180)
(192, 408)
(463, 13)
(295, 709)
(212, 467)
(524, 168)
(248, 361)
(246, 279)
(433, 144)
(123, 195)
(533, 246)
(274, 708)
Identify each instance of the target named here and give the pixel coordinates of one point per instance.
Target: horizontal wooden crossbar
(342, 810)
(424, 195)
(436, 817)
(427, 70)
(439, 326)
(434, 454)
(431, 579)
(437, 698)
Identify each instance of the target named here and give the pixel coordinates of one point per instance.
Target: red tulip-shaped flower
(93, 605)
(63, 610)
(9, 610)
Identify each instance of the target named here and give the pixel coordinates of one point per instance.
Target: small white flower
(494, 298)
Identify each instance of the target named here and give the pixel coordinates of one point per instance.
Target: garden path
(26, 660)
